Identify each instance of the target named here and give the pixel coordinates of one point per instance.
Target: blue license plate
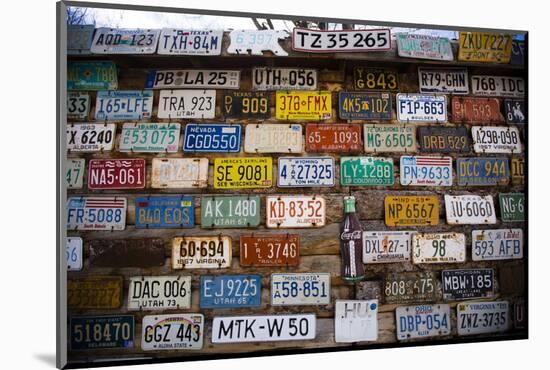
(124, 105)
(230, 291)
(99, 332)
(482, 171)
(212, 138)
(165, 212)
(91, 76)
(375, 106)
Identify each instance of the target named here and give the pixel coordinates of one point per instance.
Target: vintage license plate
(243, 173)
(447, 81)
(512, 87)
(512, 207)
(498, 244)
(519, 315)
(355, 321)
(164, 212)
(185, 173)
(482, 317)
(333, 137)
(150, 137)
(467, 284)
(375, 79)
(270, 250)
(303, 105)
(484, 47)
(118, 253)
(79, 39)
(438, 247)
(302, 289)
(193, 79)
(436, 139)
(517, 171)
(190, 42)
(386, 246)
(364, 106)
(518, 52)
(421, 108)
(359, 171)
(212, 138)
(160, 293)
(230, 291)
(426, 171)
(246, 105)
(411, 210)
(305, 171)
(278, 78)
(124, 41)
(478, 171)
(123, 105)
(116, 174)
(78, 105)
(91, 76)
(201, 252)
(492, 139)
(423, 321)
(183, 104)
(424, 47)
(96, 213)
(273, 138)
(384, 138)
(317, 41)
(230, 211)
(181, 331)
(74, 253)
(469, 209)
(295, 211)
(515, 111)
(476, 110)
(408, 287)
(75, 173)
(98, 292)
(270, 328)
(90, 137)
(256, 42)
(109, 332)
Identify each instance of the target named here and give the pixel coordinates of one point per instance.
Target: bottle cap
(349, 204)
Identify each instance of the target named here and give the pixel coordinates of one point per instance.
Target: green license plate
(357, 171)
(227, 212)
(512, 207)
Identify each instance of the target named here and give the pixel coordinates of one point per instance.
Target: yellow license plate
(304, 105)
(95, 292)
(411, 210)
(242, 173)
(485, 47)
(518, 165)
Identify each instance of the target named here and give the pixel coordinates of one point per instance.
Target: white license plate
(510, 87)
(300, 289)
(316, 41)
(150, 293)
(421, 108)
(482, 317)
(305, 171)
(78, 105)
(124, 41)
(75, 173)
(96, 213)
(447, 81)
(499, 244)
(150, 137)
(385, 138)
(74, 253)
(190, 42)
(355, 321)
(123, 105)
(295, 211)
(490, 139)
(272, 79)
(423, 321)
(273, 138)
(426, 171)
(256, 41)
(179, 104)
(193, 79)
(181, 331)
(185, 173)
(272, 328)
(201, 252)
(386, 246)
(470, 209)
(438, 248)
(90, 137)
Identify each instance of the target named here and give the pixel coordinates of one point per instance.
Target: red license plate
(333, 137)
(116, 174)
(476, 110)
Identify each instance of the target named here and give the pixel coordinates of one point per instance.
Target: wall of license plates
(207, 173)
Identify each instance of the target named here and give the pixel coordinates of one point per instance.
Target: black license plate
(432, 139)
(246, 104)
(468, 283)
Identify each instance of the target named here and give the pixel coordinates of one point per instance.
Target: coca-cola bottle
(351, 243)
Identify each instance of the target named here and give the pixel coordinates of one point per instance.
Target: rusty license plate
(476, 110)
(517, 171)
(411, 210)
(98, 292)
(270, 250)
(484, 47)
(333, 138)
(408, 287)
(115, 253)
(433, 139)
